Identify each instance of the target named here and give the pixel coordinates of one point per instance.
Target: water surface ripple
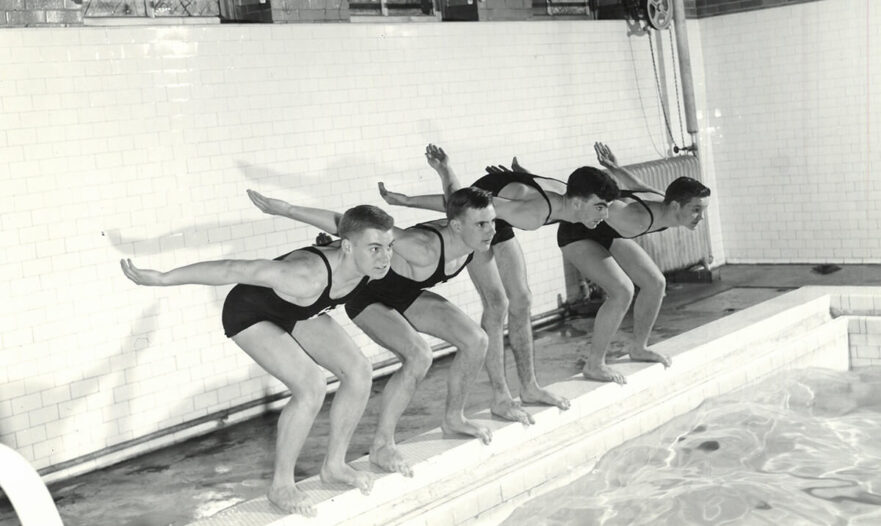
(799, 448)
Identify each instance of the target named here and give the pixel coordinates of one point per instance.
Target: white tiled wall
(140, 142)
(792, 115)
(865, 341)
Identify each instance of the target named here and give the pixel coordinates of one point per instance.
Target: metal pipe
(220, 418)
(679, 23)
(685, 69)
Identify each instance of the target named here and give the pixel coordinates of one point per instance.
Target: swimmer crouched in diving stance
(526, 202)
(276, 315)
(395, 309)
(608, 256)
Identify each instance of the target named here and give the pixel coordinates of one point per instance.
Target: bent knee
(656, 284)
(473, 341)
(520, 302)
(310, 392)
(495, 305)
(418, 360)
(358, 372)
(621, 292)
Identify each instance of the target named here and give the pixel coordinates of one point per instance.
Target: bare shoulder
(419, 246)
(306, 269)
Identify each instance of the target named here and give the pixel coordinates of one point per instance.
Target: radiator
(674, 248)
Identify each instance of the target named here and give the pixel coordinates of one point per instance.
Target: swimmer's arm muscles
(435, 202)
(291, 277)
(630, 181)
(326, 220)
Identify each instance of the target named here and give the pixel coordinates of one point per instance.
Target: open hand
(267, 205)
(436, 156)
(498, 169)
(515, 167)
(392, 198)
(140, 276)
(605, 155)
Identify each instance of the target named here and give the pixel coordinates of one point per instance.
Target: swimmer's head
(589, 192)
(366, 233)
(471, 214)
(689, 199)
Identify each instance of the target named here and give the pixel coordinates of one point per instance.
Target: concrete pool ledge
(458, 479)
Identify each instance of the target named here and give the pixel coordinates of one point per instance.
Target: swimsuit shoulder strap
(632, 194)
(326, 264)
(543, 193)
(441, 263)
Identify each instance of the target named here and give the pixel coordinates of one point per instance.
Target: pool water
(803, 447)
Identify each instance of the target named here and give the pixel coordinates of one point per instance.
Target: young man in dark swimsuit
(275, 314)
(608, 256)
(394, 310)
(526, 202)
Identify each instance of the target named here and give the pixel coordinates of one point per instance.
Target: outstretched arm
(427, 202)
(627, 178)
(286, 277)
(326, 220)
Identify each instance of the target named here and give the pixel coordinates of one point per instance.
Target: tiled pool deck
(461, 479)
(222, 477)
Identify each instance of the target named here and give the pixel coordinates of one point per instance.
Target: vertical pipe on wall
(685, 69)
(662, 75)
(679, 24)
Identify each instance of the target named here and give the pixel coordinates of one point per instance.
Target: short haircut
(587, 181)
(359, 218)
(465, 198)
(684, 189)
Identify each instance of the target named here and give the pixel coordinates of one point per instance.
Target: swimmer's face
(371, 250)
(692, 212)
(476, 226)
(592, 211)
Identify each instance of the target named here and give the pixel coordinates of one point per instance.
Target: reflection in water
(799, 448)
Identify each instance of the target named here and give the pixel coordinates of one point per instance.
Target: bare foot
(537, 395)
(603, 373)
(467, 427)
(291, 500)
(645, 355)
(346, 475)
(511, 410)
(390, 459)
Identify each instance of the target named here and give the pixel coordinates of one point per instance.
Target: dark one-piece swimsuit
(396, 291)
(494, 182)
(246, 305)
(603, 234)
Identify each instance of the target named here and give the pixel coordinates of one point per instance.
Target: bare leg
(485, 277)
(332, 348)
(434, 315)
(282, 357)
(648, 277)
(388, 328)
(512, 269)
(596, 264)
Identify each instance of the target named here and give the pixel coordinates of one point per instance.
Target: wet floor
(198, 478)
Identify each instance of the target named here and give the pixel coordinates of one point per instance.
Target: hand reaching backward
(140, 276)
(500, 168)
(392, 198)
(267, 205)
